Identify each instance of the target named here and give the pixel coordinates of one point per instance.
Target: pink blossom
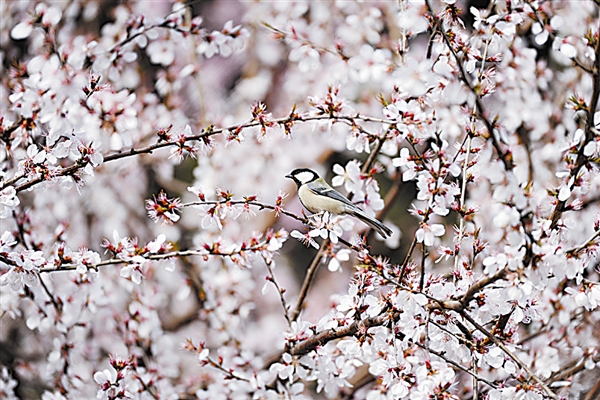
(427, 233)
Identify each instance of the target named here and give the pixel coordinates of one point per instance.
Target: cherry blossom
(8, 201)
(350, 177)
(335, 262)
(427, 233)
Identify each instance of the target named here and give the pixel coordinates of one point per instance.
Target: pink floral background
(152, 248)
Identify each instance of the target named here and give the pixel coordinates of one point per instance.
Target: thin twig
(456, 365)
(146, 387)
(463, 193)
(250, 202)
(576, 250)
(164, 256)
(228, 372)
(52, 299)
(310, 272)
(475, 380)
(423, 257)
(505, 349)
(407, 257)
(280, 291)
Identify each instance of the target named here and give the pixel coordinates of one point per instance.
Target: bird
(317, 197)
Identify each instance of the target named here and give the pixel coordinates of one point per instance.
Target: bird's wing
(323, 189)
(328, 191)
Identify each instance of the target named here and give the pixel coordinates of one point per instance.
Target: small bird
(317, 196)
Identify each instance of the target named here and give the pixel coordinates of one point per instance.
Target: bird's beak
(289, 176)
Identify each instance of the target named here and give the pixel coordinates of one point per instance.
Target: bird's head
(303, 176)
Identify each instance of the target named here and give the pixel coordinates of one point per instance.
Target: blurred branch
(392, 195)
(581, 159)
(571, 369)
(594, 392)
(591, 201)
(536, 17)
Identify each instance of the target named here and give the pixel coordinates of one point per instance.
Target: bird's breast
(316, 203)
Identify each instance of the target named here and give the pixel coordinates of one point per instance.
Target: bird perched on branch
(317, 197)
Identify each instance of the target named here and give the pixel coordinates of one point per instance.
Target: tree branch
(581, 159)
(504, 155)
(208, 132)
(501, 345)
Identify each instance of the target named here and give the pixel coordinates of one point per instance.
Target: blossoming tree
(151, 247)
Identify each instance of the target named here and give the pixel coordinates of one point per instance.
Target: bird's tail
(372, 222)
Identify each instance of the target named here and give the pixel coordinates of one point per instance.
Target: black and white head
(303, 176)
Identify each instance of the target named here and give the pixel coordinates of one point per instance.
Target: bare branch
(310, 273)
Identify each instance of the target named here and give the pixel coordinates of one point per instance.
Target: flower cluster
(472, 133)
